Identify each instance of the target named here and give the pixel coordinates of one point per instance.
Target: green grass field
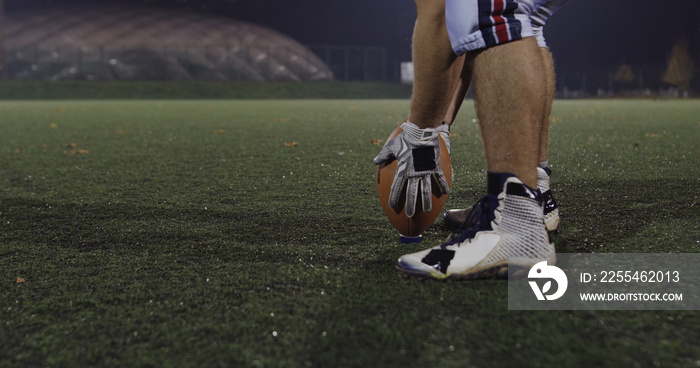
(248, 233)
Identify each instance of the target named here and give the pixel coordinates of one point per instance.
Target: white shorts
(478, 24)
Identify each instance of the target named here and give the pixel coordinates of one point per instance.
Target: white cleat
(508, 232)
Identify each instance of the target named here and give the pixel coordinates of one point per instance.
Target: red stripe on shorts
(499, 22)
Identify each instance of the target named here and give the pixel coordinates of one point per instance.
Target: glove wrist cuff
(417, 134)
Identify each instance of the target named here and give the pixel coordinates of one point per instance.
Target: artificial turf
(248, 233)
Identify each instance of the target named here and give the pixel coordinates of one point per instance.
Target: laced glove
(418, 154)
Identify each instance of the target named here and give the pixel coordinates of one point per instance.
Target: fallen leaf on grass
(70, 145)
(79, 152)
(122, 132)
(291, 144)
(20, 280)
(376, 142)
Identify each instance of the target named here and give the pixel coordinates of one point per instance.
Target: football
(421, 220)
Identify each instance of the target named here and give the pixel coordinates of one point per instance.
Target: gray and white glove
(418, 154)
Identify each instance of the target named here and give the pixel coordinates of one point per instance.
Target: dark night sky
(584, 35)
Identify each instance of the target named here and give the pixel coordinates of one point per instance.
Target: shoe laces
(480, 217)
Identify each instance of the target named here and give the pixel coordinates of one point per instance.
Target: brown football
(421, 220)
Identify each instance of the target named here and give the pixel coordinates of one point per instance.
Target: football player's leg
(509, 90)
(457, 217)
(436, 67)
(508, 233)
(463, 83)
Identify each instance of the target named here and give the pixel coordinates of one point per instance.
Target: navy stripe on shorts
(497, 21)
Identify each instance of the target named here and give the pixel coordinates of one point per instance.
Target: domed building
(137, 43)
